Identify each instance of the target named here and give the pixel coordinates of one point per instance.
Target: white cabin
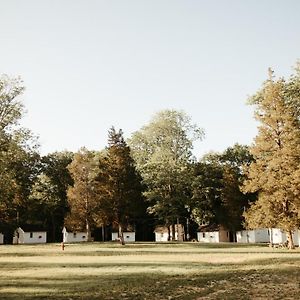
(278, 236)
(1, 238)
(213, 235)
(29, 237)
(253, 236)
(74, 237)
(129, 236)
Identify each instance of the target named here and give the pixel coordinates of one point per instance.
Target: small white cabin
(278, 236)
(162, 233)
(1, 238)
(253, 236)
(74, 237)
(28, 236)
(129, 236)
(213, 235)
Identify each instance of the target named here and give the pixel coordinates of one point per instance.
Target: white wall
(253, 236)
(208, 237)
(163, 236)
(74, 237)
(1, 238)
(128, 236)
(279, 236)
(35, 237)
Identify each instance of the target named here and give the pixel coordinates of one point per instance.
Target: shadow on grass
(226, 284)
(264, 279)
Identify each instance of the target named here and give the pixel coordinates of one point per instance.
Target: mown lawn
(148, 271)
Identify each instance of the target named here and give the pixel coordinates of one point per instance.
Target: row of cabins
(25, 236)
(264, 235)
(273, 236)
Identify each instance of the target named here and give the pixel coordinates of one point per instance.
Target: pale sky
(91, 64)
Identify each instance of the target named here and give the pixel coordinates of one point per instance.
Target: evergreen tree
(275, 173)
(119, 186)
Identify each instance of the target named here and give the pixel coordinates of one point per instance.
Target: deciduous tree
(162, 151)
(82, 197)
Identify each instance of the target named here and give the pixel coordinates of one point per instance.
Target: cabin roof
(33, 228)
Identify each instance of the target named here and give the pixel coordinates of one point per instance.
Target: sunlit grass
(148, 271)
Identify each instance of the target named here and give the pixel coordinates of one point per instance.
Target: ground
(148, 271)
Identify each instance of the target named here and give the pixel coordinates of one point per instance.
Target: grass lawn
(148, 271)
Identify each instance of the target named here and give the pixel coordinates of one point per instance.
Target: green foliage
(162, 151)
(18, 157)
(217, 198)
(47, 203)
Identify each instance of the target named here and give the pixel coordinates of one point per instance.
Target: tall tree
(275, 173)
(18, 157)
(119, 184)
(163, 153)
(48, 196)
(82, 195)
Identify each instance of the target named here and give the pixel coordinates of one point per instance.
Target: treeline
(152, 178)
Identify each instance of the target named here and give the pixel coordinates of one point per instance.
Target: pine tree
(119, 184)
(275, 173)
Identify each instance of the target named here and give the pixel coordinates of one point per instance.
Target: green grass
(148, 271)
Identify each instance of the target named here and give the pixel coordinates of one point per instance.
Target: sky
(90, 65)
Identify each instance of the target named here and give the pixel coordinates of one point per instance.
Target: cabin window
(127, 236)
(203, 234)
(74, 234)
(31, 235)
(83, 236)
(40, 236)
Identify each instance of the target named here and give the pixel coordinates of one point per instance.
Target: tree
(82, 195)
(206, 192)
(48, 196)
(44, 203)
(119, 186)
(18, 156)
(162, 151)
(275, 173)
(11, 108)
(217, 199)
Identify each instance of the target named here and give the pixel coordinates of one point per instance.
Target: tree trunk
(290, 240)
(173, 231)
(121, 235)
(103, 233)
(53, 229)
(271, 237)
(187, 230)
